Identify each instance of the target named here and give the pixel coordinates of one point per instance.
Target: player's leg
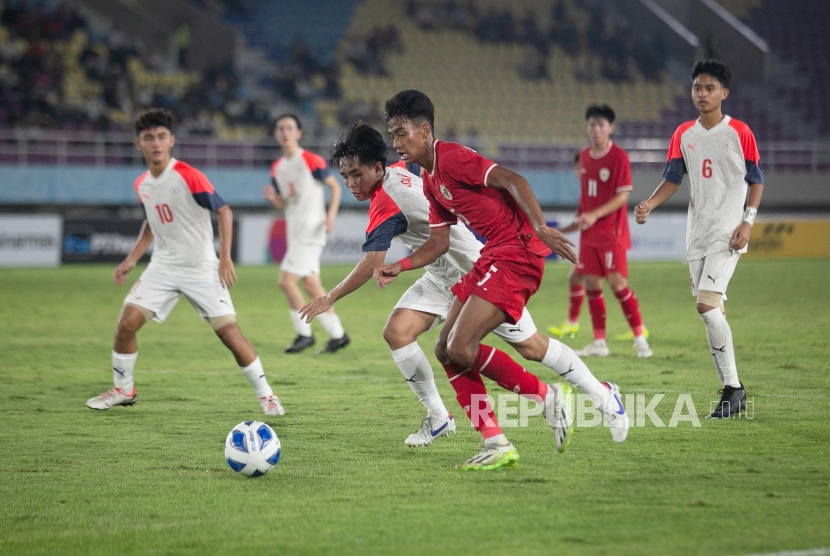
(717, 270)
(576, 295)
(288, 282)
(618, 281)
(555, 355)
(214, 304)
(401, 333)
(152, 296)
(596, 305)
(329, 320)
(246, 357)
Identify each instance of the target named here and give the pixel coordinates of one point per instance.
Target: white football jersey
(177, 205)
(399, 211)
(720, 162)
(299, 180)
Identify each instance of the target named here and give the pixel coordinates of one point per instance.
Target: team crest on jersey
(604, 174)
(445, 192)
(726, 146)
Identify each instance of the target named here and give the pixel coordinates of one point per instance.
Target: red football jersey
(457, 189)
(602, 177)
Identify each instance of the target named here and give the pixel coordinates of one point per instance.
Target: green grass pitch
(151, 479)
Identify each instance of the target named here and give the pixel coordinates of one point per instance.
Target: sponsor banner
(262, 240)
(773, 240)
(110, 240)
(30, 240)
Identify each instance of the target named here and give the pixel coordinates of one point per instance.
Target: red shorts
(602, 261)
(506, 279)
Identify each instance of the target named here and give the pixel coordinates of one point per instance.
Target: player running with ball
(498, 204)
(720, 155)
(399, 211)
(177, 201)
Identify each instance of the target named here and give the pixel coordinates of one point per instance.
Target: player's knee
(394, 334)
(287, 281)
(462, 352)
(574, 278)
(617, 282)
(707, 300)
(593, 283)
(532, 349)
(221, 324)
(441, 352)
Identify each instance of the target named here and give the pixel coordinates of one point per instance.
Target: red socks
(467, 384)
(631, 309)
(577, 294)
(497, 365)
(596, 304)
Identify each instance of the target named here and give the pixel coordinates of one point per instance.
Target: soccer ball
(252, 449)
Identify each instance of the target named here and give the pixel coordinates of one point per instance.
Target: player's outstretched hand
(558, 243)
(386, 274)
(641, 212)
(121, 272)
(315, 307)
(270, 193)
(227, 274)
(740, 237)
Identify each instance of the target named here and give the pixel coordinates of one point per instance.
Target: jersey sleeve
(438, 215)
(675, 165)
(138, 183)
(752, 157)
(200, 187)
(316, 165)
(623, 173)
(386, 220)
(274, 176)
(466, 167)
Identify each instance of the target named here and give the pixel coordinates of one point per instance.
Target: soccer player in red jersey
(602, 219)
(462, 185)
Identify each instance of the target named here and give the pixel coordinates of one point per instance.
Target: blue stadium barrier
(79, 185)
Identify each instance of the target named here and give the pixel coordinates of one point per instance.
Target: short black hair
(718, 70)
(154, 117)
(600, 111)
(291, 115)
(363, 142)
(412, 105)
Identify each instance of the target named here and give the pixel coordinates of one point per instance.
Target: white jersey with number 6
(299, 180)
(178, 204)
(720, 162)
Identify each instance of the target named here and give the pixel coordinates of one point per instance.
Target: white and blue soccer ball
(252, 449)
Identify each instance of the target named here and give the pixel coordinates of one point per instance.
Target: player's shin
(721, 342)
(415, 367)
(498, 366)
(122, 371)
(567, 364)
(596, 304)
(631, 310)
(472, 397)
(256, 376)
(331, 324)
(301, 327)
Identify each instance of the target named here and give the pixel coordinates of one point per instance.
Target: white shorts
(428, 295)
(713, 272)
(302, 260)
(159, 293)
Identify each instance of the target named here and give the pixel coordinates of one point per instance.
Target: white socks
(300, 326)
(567, 364)
(417, 371)
(331, 324)
(256, 376)
(122, 371)
(720, 341)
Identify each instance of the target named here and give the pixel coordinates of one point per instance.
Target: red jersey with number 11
(457, 190)
(603, 176)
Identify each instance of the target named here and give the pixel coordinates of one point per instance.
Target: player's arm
(436, 245)
(361, 274)
(272, 195)
(334, 202)
(145, 238)
(224, 218)
(662, 194)
(588, 219)
(519, 189)
(740, 237)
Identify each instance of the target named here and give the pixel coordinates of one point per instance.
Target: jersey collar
(434, 156)
(603, 153)
(723, 122)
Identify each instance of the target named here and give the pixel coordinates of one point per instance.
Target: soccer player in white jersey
(297, 180)
(720, 155)
(177, 201)
(399, 211)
